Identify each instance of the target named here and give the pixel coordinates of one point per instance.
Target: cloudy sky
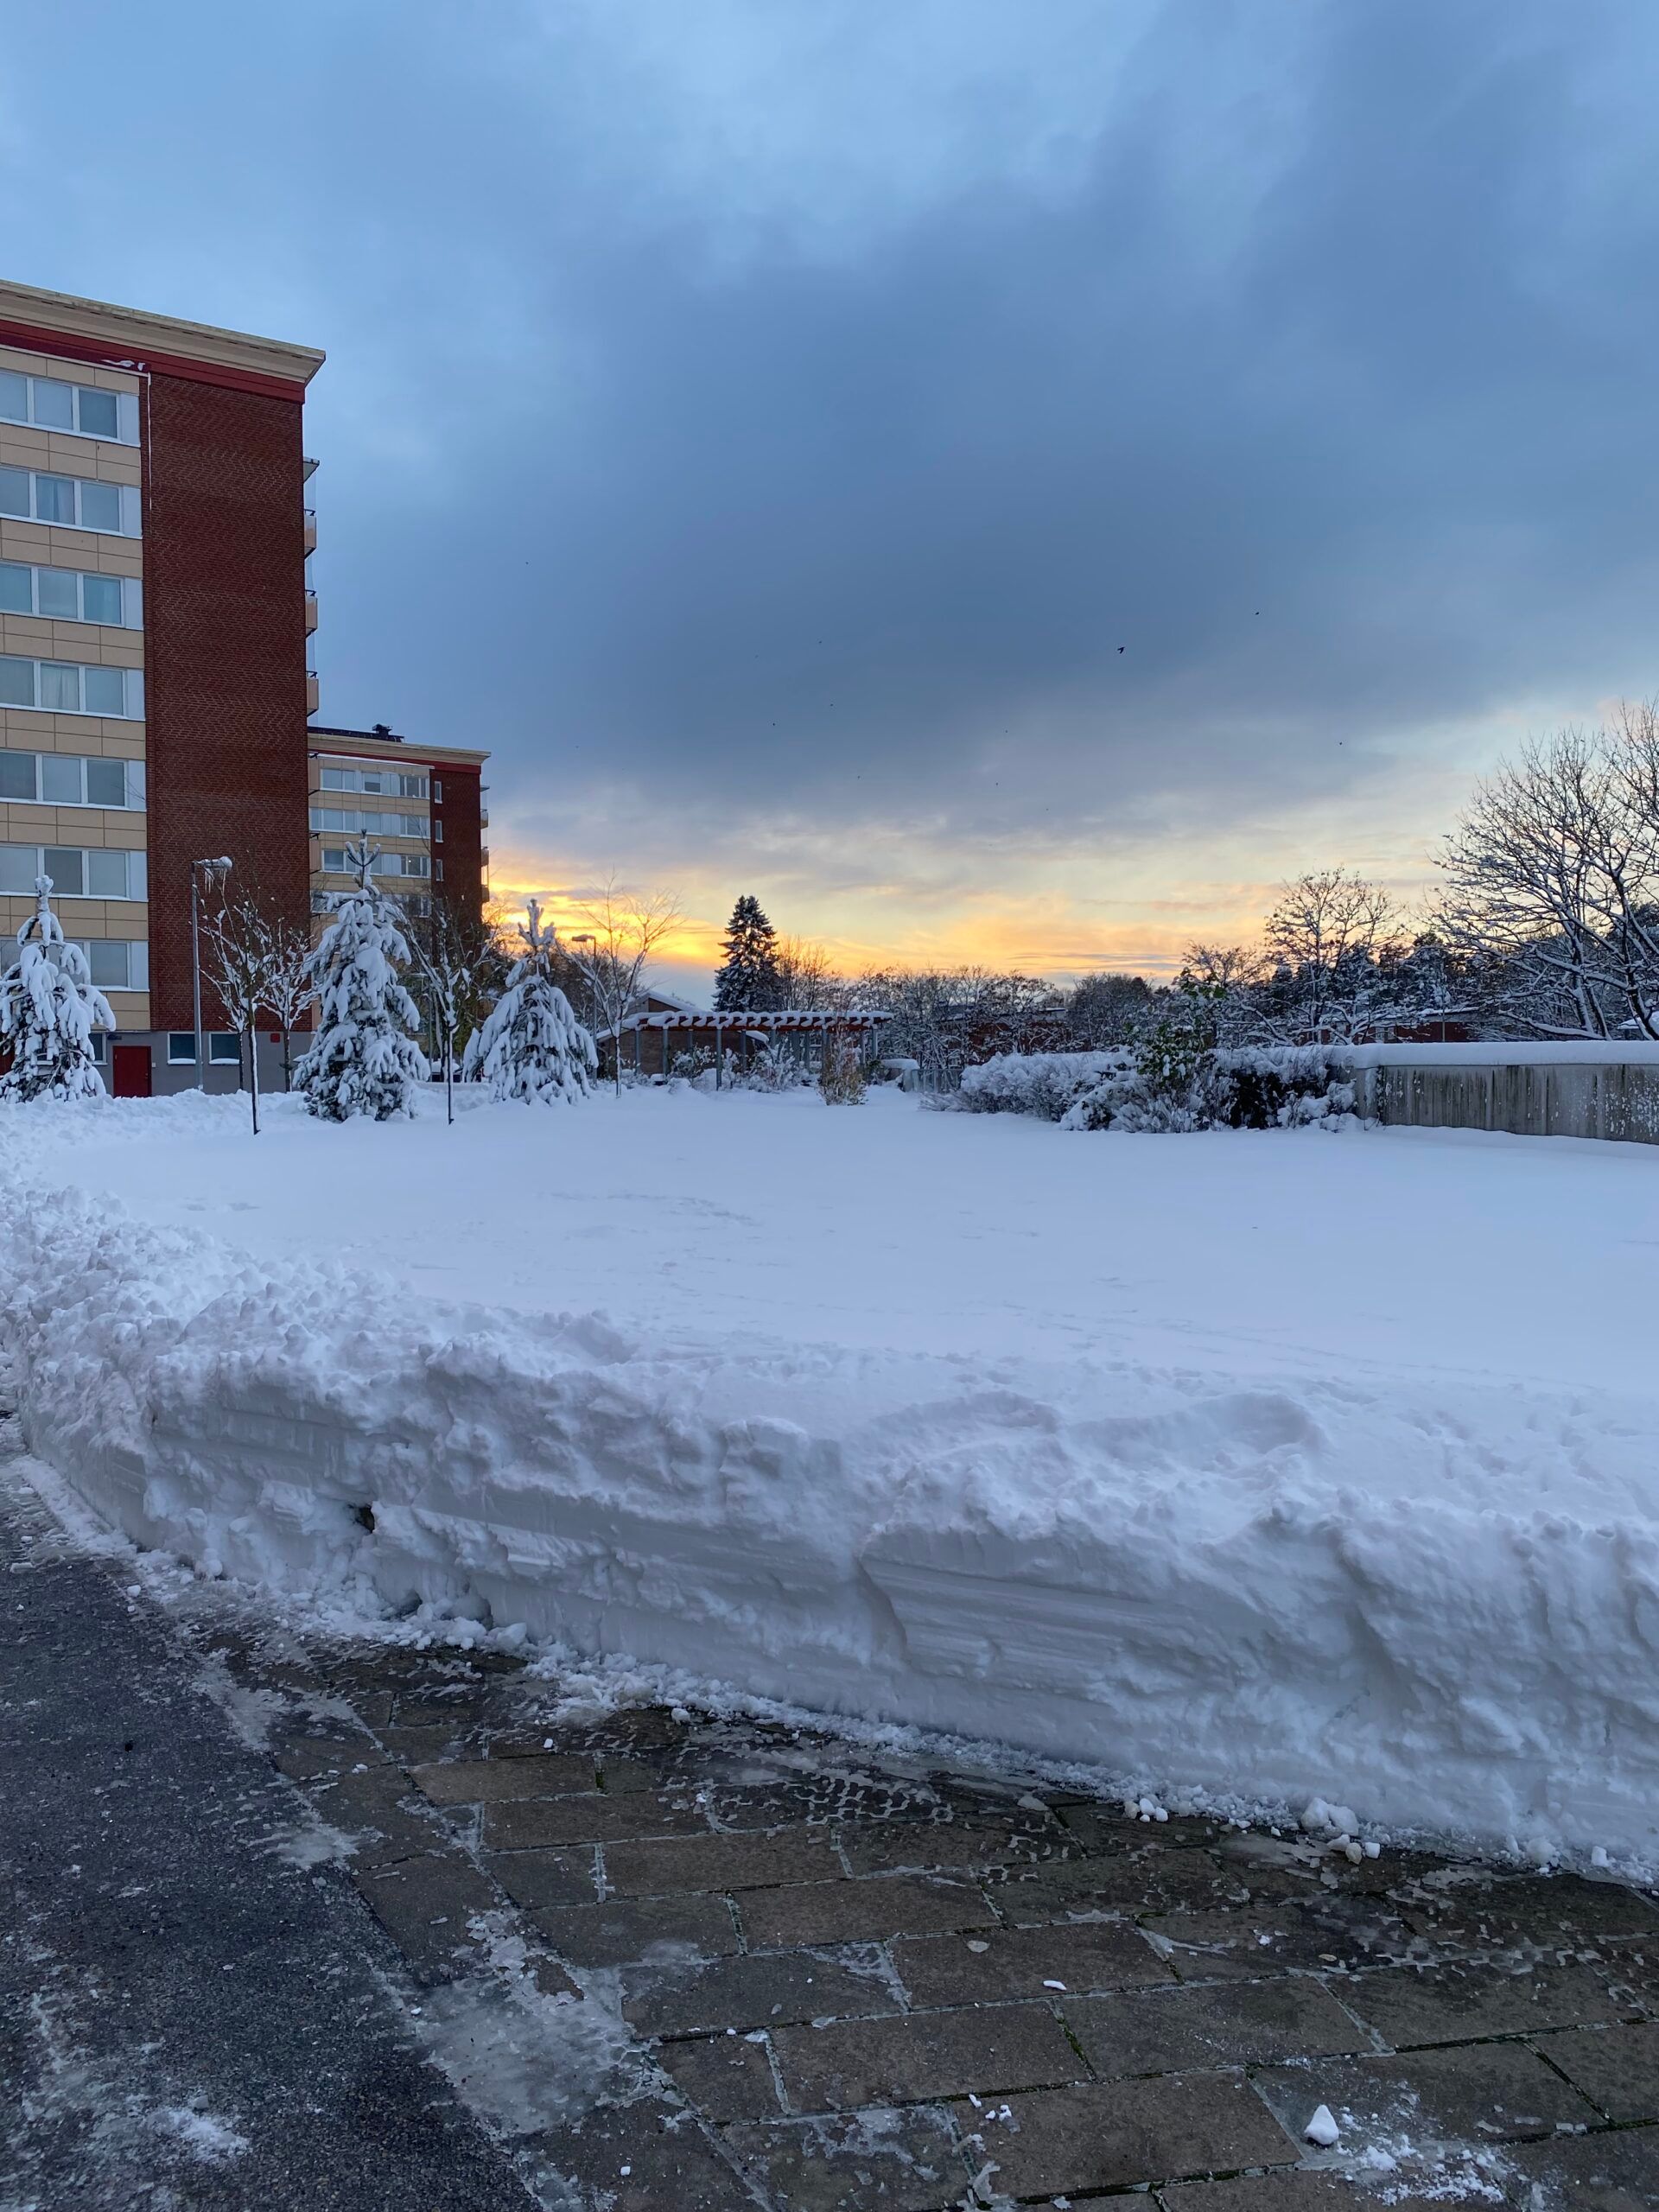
(1002, 481)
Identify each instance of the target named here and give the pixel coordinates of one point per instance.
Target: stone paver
(640, 2156)
(1113, 2134)
(724, 2077)
(1618, 2069)
(1454, 2002)
(1227, 2024)
(479, 1781)
(538, 1823)
(989, 2049)
(1001, 1964)
(887, 2160)
(765, 1991)
(1478, 2093)
(1616, 2172)
(631, 1930)
(863, 1911)
(721, 1862)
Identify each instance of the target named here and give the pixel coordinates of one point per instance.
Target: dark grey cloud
(737, 410)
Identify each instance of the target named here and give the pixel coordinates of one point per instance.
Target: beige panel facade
(64, 453)
(94, 645)
(49, 545)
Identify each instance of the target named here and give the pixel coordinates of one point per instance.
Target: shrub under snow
(1292, 1086)
(1044, 1083)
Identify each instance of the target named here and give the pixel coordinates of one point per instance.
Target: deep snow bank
(1438, 1602)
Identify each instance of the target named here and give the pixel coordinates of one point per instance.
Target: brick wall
(224, 661)
(462, 848)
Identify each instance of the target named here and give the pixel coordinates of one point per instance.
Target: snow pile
(1430, 1599)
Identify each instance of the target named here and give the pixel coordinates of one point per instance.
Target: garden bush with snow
(1287, 1087)
(1046, 1084)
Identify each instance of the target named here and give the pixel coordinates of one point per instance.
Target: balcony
(310, 612)
(310, 529)
(484, 817)
(313, 694)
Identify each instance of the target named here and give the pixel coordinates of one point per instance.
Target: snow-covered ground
(1275, 1464)
(895, 1229)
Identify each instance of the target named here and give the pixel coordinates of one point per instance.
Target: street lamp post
(217, 870)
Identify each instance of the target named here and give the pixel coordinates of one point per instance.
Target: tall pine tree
(49, 1009)
(531, 1045)
(749, 981)
(363, 1058)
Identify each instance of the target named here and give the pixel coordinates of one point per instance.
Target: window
(365, 821)
(71, 596)
(77, 872)
(95, 1044)
(388, 783)
(437, 871)
(55, 403)
(337, 861)
(71, 502)
(181, 1048)
(223, 1047)
(116, 964)
(65, 687)
(437, 793)
(438, 833)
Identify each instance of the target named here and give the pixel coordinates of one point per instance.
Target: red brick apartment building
(155, 692)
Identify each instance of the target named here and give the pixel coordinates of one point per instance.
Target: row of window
(55, 403)
(364, 822)
(412, 902)
(223, 1047)
(71, 596)
(77, 872)
(383, 783)
(70, 779)
(75, 502)
(336, 860)
(68, 687)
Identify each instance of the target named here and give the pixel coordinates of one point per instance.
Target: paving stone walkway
(771, 1971)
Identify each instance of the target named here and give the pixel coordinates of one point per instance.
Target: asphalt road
(190, 2015)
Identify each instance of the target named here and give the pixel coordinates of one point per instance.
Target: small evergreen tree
(363, 1058)
(751, 980)
(531, 1045)
(49, 1009)
(841, 1075)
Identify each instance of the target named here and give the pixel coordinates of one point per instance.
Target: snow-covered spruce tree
(531, 1045)
(363, 1058)
(48, 1010)
(749, 980)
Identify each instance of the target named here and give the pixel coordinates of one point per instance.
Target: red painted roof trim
(103, 353)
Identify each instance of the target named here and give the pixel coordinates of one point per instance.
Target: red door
(132, 1071)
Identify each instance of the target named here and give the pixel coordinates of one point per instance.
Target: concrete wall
(1547, 1090)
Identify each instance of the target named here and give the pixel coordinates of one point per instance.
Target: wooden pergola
(732, 1026)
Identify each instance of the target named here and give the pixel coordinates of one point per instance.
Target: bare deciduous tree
(1551, 882)
(289, 991)
(612, 955)
(238, 954)
(1322, 946)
